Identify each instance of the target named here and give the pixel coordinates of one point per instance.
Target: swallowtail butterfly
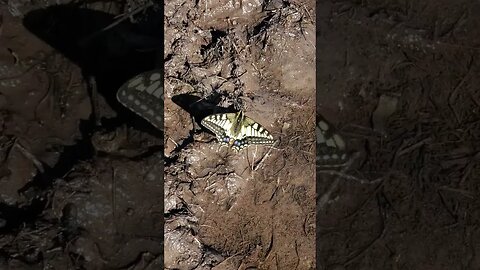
(331, 147)
(143, 94)
(237, 130)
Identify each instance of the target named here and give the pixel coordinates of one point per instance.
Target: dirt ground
(399, 80)
(254, 209)
(87, 184)
(82, 176)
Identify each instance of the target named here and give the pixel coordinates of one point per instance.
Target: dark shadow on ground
(198, 107)
(110, 56)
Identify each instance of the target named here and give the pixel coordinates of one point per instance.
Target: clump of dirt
(400, 81)
(79, 188)
(254, 208)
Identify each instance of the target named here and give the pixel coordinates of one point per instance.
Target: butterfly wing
(249, 132)
(143, 94)
(254, 133)
(331, 147)
(220, 124)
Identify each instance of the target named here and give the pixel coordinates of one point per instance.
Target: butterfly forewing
(331, 147)
(143, 94)
(255, 133)
(237, 130)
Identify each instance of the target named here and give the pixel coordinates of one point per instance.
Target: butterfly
(237, 130)
(331, 147)
(143, 94)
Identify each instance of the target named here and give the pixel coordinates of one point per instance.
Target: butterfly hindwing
(237, 130)
(331, 147)
(219, 124)
(143, 94)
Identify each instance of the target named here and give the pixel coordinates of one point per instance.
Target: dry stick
(351, 177)
(454, 92)
(114, 194)
(380, 235)
(94, 100)
(44, 96)
(115, 23)
(367, 246)
(30, 156)
(250, 165)
(254, 155)
(465, 193)
(174, 142)
(468, 168)
(414, 146)
(265, 156)
(298, 256)
(326, 196)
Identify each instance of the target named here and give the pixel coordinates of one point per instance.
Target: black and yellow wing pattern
(143, 94)
(331, 147)
(237, 130)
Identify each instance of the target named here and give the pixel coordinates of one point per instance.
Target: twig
(30, 156)
(322, 201)
(351, 177)
(454, 92)
(115, 23)
(265, 156)
(368, 245)
(114, 187)
(465, 193)
(414, 146)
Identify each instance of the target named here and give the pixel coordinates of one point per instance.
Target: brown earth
(399, 80)
(82, 188)
(83, 184)
(252, 209)
(71, 166)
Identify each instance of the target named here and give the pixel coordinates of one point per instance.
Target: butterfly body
(237, 130)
